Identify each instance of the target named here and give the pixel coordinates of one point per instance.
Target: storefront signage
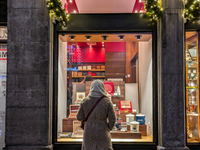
(3, 33)
(3, 52)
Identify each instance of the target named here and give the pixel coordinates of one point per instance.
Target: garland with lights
(192, 9)
(153, 9)
(57, 11)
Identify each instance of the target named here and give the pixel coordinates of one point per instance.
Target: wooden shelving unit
(92, 76)
(192, 89)
(92, 70)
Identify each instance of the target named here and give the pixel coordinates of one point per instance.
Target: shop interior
(192, 87)
(124, 63)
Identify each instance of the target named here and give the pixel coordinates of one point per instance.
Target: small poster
(80, 95)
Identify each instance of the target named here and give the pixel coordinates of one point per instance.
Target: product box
(89, 67)
(84, 73)
(93, 74)
(98, 73)
(94, 67)
(79, 73)
(102, 74)
(80, 67)
(109, 87)
(140, 118)
(125, 106)
(102, 67)
(90, 73)
(73, 109)
(98, 67)
(74, 73)
(84, 67)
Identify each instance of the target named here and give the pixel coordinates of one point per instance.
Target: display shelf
(192, 115)
(92, 70)
(188, 87)
(92, 76)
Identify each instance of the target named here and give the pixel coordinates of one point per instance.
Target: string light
(57, 12)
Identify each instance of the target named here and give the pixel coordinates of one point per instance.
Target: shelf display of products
(192, 88)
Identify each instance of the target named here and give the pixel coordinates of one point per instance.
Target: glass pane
(123, 62)
(192, 87)
(3, 66)
(104, 6)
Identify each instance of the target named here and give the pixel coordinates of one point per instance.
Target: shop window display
(3, 65)
(192, 86)
(125, 67)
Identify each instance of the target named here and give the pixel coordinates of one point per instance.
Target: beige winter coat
(100, 122)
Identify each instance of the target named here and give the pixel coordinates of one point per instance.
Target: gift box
(125, 106)
(74, 73)
(102, 67)
(84, 67)
(93, 74)
(80, 67)
(84, 73)
(94, 67)
(102, 74)
(98, 73)
(89, 67)
(90, 73)
(109, 87)
(98, 67)
(79, 73)
(140, 118)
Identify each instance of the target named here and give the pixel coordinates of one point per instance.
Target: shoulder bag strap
(93, 108)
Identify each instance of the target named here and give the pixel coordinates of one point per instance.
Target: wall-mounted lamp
(72, 37)
(138, 37)
(104, 37)
(121, 37)
(88, 37)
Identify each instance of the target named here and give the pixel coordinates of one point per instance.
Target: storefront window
(104, 6)
(124, 63)
(3, 72)
(192, 86)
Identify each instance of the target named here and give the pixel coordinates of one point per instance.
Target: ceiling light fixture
(72, 37)
(104, 37)
(88, 37)
(138, 37)
(121, 37)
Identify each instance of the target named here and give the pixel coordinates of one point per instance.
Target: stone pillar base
(50, 147)
(172, 148)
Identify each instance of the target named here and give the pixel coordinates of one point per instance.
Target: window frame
(121, 23)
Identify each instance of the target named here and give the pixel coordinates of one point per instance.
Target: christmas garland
(57, 11)
(153, 9)
(192, 9)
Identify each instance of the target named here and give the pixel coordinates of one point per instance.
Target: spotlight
(121, 37)
(72, 37)
(138, 37)
(104, 37)
(88, 37)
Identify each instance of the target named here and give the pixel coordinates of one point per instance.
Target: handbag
(84, 120)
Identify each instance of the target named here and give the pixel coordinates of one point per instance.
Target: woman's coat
(100, 122)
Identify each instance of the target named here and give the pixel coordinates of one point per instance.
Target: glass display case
(192, 87)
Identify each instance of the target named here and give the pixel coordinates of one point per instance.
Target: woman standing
(100, 122)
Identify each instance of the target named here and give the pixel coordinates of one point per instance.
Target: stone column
(29, 76)
(171, 81)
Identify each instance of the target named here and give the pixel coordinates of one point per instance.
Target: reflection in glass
(192, 87)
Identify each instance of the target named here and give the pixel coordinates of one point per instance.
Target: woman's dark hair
(88, 78)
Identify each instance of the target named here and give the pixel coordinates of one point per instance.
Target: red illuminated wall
(96, 53)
